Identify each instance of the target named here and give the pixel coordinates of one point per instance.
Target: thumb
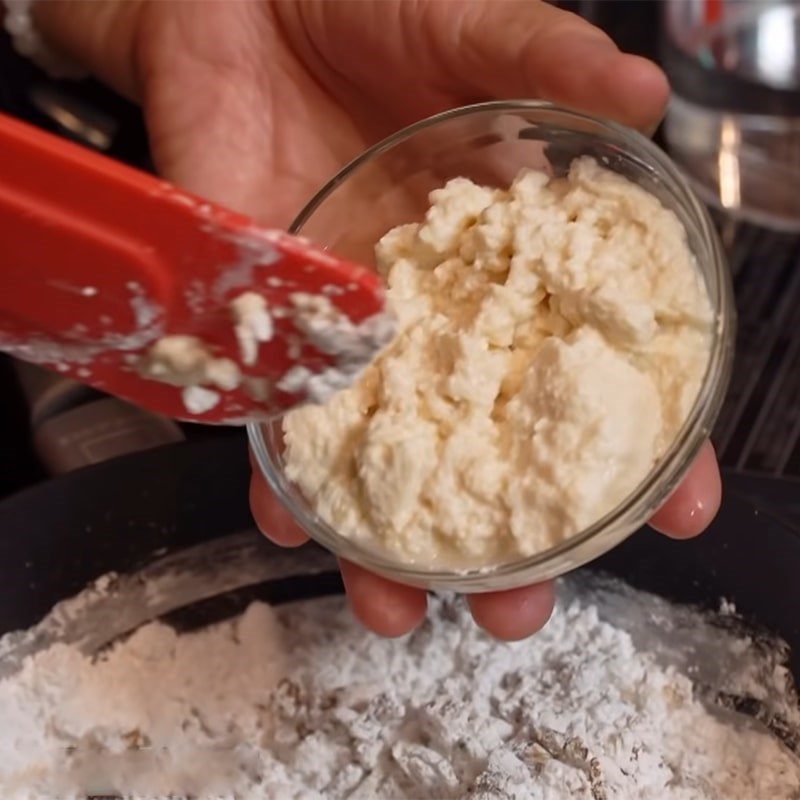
(523, 49)
(436, 54)
(99, 36)
(192, 70)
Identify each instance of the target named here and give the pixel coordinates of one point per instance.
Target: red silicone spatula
(99, 262)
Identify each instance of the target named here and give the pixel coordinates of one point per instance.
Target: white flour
(300, 702)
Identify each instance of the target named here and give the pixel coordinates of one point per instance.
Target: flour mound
(300, 702)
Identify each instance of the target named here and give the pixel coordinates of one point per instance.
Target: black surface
(19, 79)
(63, 533)
(758, 431)
(18, 465)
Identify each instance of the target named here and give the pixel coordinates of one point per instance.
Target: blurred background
(733, 125)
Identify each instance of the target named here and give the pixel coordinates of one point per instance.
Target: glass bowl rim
(660, 480)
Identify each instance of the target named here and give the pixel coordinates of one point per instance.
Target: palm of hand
(255, 105)
(262, 133)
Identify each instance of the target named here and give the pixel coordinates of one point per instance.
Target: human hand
(256, 104)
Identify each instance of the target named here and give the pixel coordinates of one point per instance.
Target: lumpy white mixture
(192, 364)
(300, 703)
(551, 341)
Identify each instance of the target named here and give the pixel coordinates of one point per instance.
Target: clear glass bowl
(489, 143)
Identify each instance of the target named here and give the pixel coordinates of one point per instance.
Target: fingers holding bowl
(271, 517)
(694, 504)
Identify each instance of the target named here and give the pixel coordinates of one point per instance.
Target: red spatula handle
(98, 261)
(74, 224)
